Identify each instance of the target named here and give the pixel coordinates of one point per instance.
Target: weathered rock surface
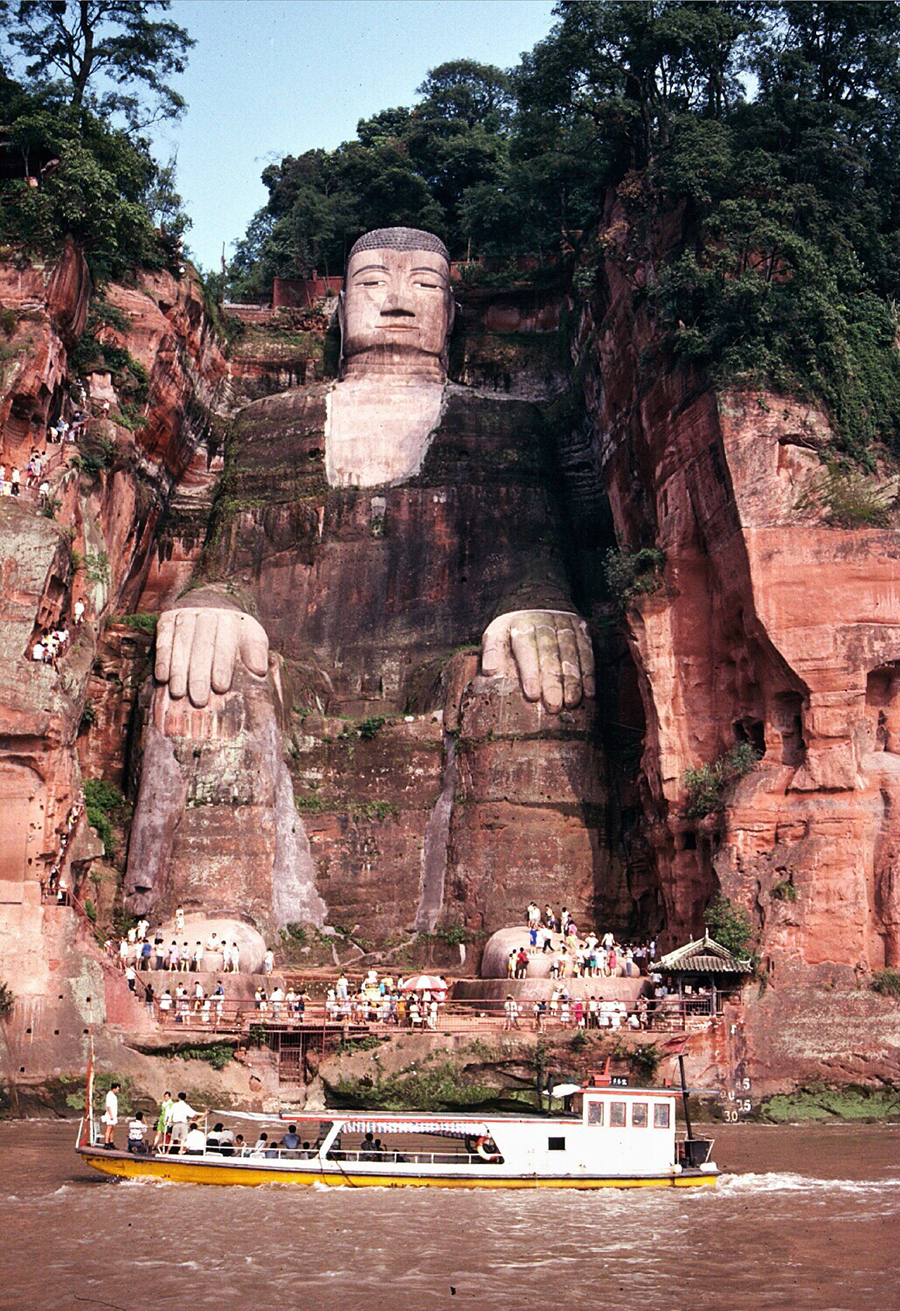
(771, 627)
(376, 771)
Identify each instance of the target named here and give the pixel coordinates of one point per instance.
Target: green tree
(729, 926)
(464, 91)
(81, 43)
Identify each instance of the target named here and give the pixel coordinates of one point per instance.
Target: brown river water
(804, 1218)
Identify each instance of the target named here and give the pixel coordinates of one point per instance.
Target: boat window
(595, 1113)
(639, 1118)
(617, 1115)
(556, 1144)
(661, 1115)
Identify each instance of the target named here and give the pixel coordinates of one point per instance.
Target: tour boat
(620, 1138)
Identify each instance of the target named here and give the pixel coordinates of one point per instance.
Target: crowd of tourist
(142, 950)
(56, 885)
(51, 644)
(414, 1003)
(575, 956)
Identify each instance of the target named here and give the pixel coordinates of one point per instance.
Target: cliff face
(425, 794)
(88, 547)
(771, 627)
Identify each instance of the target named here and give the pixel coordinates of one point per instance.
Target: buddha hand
(550, 650)
(197, 649)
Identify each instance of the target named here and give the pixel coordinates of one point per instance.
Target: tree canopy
(77, 46)
(66, 169)
(767, 132)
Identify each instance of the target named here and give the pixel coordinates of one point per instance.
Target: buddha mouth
(397, 327)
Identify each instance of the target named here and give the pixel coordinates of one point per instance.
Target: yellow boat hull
(185, 1170)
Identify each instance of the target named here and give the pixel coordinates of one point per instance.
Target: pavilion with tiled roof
(704, 964)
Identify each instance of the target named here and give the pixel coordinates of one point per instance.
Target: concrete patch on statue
(294, 895)
(378, 436)
(434, 848)
(159, 808)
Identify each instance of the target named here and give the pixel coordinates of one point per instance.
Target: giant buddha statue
(377, 523)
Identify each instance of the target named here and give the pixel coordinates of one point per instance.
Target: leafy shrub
(8, 321)
(643, 1061)
(784, 890)
(630, 574)
(96, 567)
(294, 934)
(453, 934)
(7, 1000)
(849, 499)
(218, 1055)
(887, 982)
(144, 622)
(706, 784)
(101, 799)
(88, 715)
(729, 925)
(369, 727)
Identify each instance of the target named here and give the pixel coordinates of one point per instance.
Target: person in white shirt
(111, 1117)
(136, 1133)
(78, 611)
(269, 962)
(195, 1141)
(178, 1117)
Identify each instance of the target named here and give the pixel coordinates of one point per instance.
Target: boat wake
(788, 1182)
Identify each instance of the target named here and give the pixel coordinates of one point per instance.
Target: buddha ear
(451, 319)
(340, 319)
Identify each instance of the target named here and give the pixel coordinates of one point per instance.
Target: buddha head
(396, 309)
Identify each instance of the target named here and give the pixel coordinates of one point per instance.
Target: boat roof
(424, 1122)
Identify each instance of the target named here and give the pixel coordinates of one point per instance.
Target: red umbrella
(421, 982)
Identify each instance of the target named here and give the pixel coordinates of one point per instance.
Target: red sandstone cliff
(772, 627)
(91, 546)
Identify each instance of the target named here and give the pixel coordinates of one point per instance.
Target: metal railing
(337, 1156)
(240, 1015)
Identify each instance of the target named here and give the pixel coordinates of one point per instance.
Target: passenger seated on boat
(306, 1153)
(227, 1142)
(240, 1147)
(136, 1135)
(214, 1139)
(290, 1142)
(367, 1148)
(195, 1142)
(261, 1145)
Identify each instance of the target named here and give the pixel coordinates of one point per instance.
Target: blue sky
(274, 77)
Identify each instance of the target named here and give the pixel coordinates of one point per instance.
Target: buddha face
(397, 303)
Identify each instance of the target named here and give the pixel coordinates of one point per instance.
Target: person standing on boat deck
(161, 1120)
(111, 1117)
(178, 1117)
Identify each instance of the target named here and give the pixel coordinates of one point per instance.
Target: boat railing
(339, 1156)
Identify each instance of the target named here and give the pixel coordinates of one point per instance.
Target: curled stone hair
(400, 239)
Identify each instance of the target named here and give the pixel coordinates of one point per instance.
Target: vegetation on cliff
(739, 162)
(75, 154)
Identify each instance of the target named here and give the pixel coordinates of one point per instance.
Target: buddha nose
(395, 306)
